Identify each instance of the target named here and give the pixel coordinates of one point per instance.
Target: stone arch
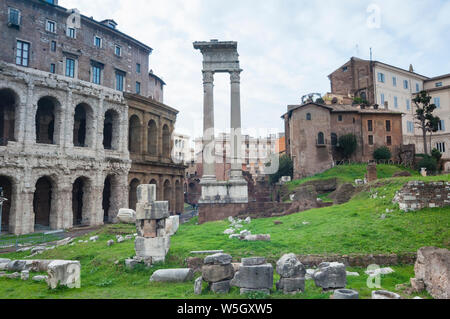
(152, 138)
(48, 120)
(111, 130)
(83, 129)
(134, 134)
(81, 201)
(166, 141)
(167, 193)
(9, 101)
(106, 201)
(132, 194)
(43, 202)
(320, 138)
(113, 193)
(6, 183)
(179, 198)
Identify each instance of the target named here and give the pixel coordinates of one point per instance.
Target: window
(382, 98)
(395, 102)
(441, 147)
(71, 33)
(370, 139)
(96, 73)
(50, 26)
(370, 125)
(98, 42)
(441, 125)
(417, 87)
(437, 102)
(308, 116)
(334, 139)
(14, 17)
(53, 46)
(118, 50)
(23, 53)
(410, 127)
(52, 68)
(320, 139)
(119, 80)
(340, 118)
(138, 87)
(70, 67)
(388, 125)
(345, 69)
(138, 68)
(438, 84)
(388, 140)
(408, 105)
(405, 84)
(394, 81)
(380, 77)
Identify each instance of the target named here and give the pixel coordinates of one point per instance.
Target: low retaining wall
(416, 195)
(360, 260)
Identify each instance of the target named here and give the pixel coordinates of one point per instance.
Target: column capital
(235, 76)
(208, 77)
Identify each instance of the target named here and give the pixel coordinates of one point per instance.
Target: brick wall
(417, 195)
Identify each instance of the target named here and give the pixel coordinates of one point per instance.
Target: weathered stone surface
(330, 275)
(155, 210)
(236, 266)
(24, 275)
(384, 294)
(173, 275)
(417, 285)
(352, 274)
(289, 266)
(131, 263)
(291, 285)
(156, 248)
(253, 261)
(172, 225)
(254, 277)
(221, 287)
(345, 294)
(120, 239)
(146, 193)
(64, 273)
(218, 259)
(4, 263)
(228, 231)
(17, 265)
(126, 216)
(110, 242)
(198, 285)
(309, 274)
(257, 238)
(216, 273)
(244, 291)
(39, 278)
(343, 193)
(64, 241)
(94, 238)
(433, 268)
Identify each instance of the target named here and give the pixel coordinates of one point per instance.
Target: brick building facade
(64, 119)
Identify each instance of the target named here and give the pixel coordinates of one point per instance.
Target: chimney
(411, 69)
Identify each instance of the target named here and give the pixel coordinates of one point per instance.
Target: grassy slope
(354, 227)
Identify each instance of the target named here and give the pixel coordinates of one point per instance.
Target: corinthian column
(236, 136)
(209, 170)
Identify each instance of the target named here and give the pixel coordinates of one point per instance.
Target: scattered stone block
(352, 274)
(94, 238)
(244, 291)
(172, 275)
(288, 266)
(195, 263)
(291, 285)
(218, 259)
(384, 294)
(25, 275)
(345, 294)
(309, 274)
(156, 248)
(64, 273)
(4, 263)
(39, 278)
(330, 276)
(217, 273)
(198, 286)
(13, 276)
(254, 277)
(110, 242)
(172, 225)
(253, 261)
(120, 239)
(221, 287)
(229, 231)
(248, 220)
(126, 216)
(417, 285)
(245, 233)
(152, 211)
(146, 193)
(128, 237)
(64, 241)
(257, 238)
(131, 263)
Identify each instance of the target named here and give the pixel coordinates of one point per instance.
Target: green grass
(354, 227)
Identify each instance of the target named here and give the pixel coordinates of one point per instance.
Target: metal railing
(17, 242)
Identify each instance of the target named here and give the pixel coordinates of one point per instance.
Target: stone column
(209, 170)
(235, 136)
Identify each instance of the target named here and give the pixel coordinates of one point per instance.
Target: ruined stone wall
(24, 162)
(417, 195)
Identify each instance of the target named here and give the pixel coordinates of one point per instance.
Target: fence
(17, 242)
(389, 162)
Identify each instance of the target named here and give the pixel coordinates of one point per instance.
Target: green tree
(427, 122)
(286, 168)
(382, 153)
(347, 145)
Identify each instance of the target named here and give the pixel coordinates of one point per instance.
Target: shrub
(347, 145)
(382, 153)
(429, 163)
(320, 101)
(286, 168)
(436, 154)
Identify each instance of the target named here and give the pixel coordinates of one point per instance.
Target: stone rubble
(126, 216)
(254, 275)
(217, 271)
(198, 286)
(292, 274)
(39, 278)
(110, 242)
(330, 275)
(64, 273)
(172, 275)
(25, 275)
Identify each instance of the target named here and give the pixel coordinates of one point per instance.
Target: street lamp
(2, 199)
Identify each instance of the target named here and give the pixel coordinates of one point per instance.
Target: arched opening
(320, 139)
(6, 185)
(111, 130)
(152, 138)
(167, 194)
(132, 194)
(82, 131)
(106, 202)
(8, 102)
(134, 134)
(79, 192)
(166, 141)
(42, 203)
(46, 121)
(179, 197)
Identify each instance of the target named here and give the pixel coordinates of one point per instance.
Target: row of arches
(45, 201)
(48, 120)
(168, 191)
(136, 131)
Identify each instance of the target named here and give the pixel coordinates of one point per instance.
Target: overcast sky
(287, 48)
